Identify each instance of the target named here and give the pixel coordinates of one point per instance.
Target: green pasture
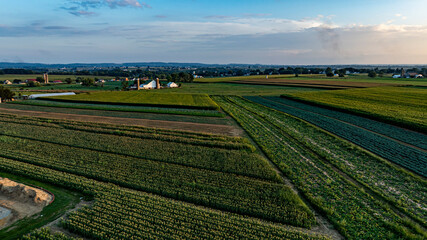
(404, 106)
(144, 98)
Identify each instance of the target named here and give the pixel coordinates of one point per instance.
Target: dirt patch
(21, 200)
(174, 125)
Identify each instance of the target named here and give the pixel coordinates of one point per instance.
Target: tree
(372, 74)
(68, 80)
(125, 85)
(6, 94)
(329, 72)
(40, 79)
(33, 84)
(88, 82)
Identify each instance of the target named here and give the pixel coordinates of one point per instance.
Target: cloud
(82, 7)
(82, 13)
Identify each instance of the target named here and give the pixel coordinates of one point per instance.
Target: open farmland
(208, 170)
(142, 98)
(356, 208)
(403, 106)
(400, 146)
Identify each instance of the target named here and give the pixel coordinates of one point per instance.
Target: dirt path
(54, 226)
(186, 126)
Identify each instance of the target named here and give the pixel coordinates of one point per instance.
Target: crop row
(141, 133)
(401, 188)
(188, 220)
(156, 131)
(230, 192)
(217, 159)
(46, 234)
(406, 156)
(123, 108)
(118, 213)
(355, 213)
(402, 106)
(401, 134)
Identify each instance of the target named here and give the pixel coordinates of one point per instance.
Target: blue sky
(220, 31)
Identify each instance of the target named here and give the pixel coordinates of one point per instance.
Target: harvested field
(174, 125)
(324, 84)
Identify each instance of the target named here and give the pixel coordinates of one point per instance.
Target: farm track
(354, 125)
(186, 126)
(386, 147)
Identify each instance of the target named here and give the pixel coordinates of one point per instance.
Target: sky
(285, 32)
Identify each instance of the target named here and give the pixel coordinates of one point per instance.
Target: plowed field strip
(194, 127)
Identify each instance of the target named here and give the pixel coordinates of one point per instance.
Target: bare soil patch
(21, 200)
(174, 125)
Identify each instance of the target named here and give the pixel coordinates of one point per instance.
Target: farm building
(150, 85)
(34, 96)
(7, 82)
(172, 85)
(397, 76)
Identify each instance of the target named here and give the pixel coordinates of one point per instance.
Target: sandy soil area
(22, 200)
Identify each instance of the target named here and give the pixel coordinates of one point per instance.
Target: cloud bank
(82, 7)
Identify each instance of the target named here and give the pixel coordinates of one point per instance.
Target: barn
(172, 85)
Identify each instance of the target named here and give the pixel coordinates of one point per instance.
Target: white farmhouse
(172, 85)
(7, 82)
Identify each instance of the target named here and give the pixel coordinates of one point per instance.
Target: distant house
(7, 82)
(34, 96)
(31, 80)
(57, 81)
(413, 75)
(172, 85)
(397, 76)
(101, 81)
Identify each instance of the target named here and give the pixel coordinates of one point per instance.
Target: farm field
(142, 98)
(122, 108)
(359, 78)
(401, 106)
(330, 174)
(215, 171)
(400, 146)
(219, 160)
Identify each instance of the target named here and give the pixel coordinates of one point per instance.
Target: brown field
(311, 83)
(173, 125)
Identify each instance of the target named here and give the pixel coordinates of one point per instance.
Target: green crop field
(343, 181)
(403, 106)
(362, 78)
(142, 98)
(122, 167)
(309, 163)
